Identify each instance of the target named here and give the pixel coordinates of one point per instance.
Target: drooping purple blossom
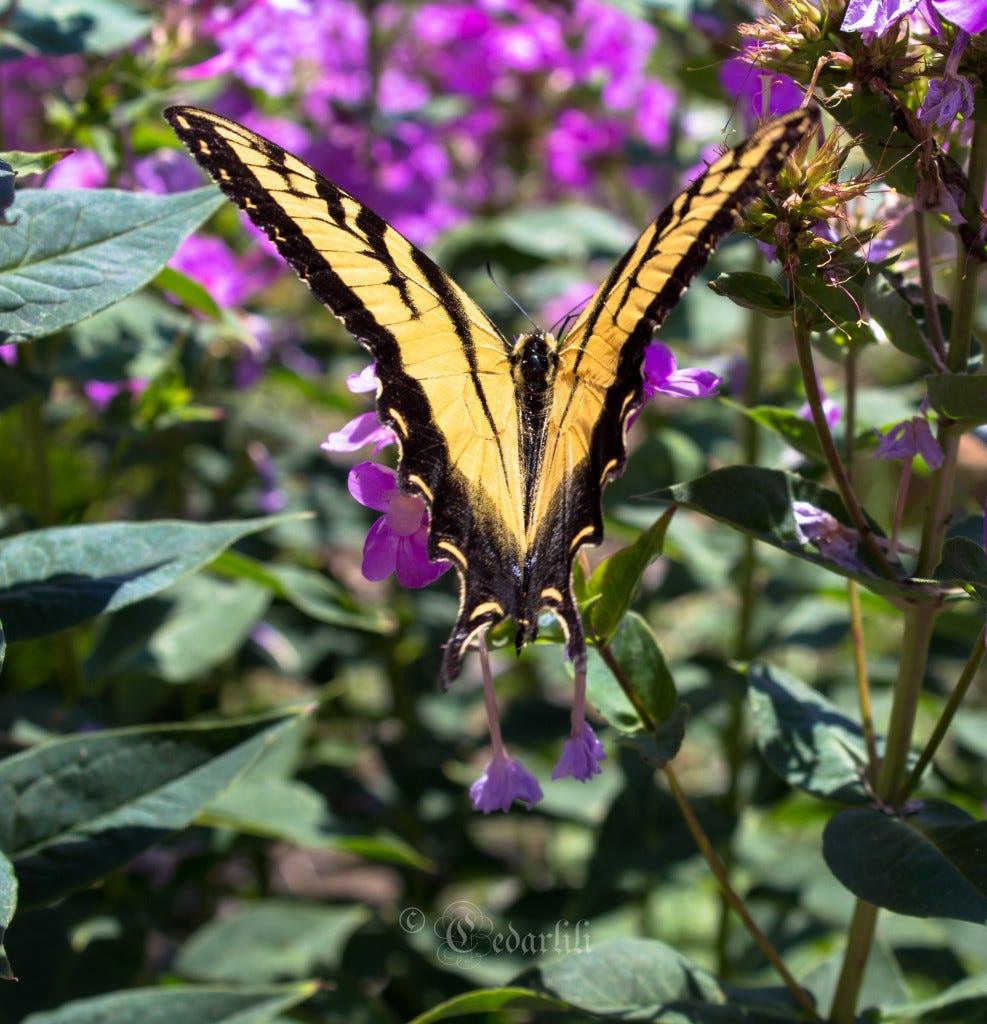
(503, 781)
(397, 543)
(951, 95)
(582, 753)
(909, 438)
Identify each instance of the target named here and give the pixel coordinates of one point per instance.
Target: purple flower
(952, 94)
(504, 781)
(575, 141)
(165, 171)
(909, 438)
(831, 411)
(102, 392)
(761, 93)
(969, 15)
(228, 278)
(582, 753)
(835, 541)
(875, 16)
(398, 542)
(81, 169)
(661, 376)
(363, 429)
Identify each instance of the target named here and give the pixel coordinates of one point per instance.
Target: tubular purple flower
(952, 94)
(398, 541)
(662, 376)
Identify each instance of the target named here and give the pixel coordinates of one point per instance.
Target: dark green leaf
(758, 502)
(807, 740)
(180, 1004)
(489, 1000)
(639, 658)
(826, 303)
(73, 809)
(74, 253)
(188, 291)
(59, 577)
(753, 291)
(71, 26)
(964, 564)
(929, 864)
(659, 747)
(959, 396)
(182, 634)
(616, 580)
(270, 939)
(888, 304)
(8, 904)
(793, 429)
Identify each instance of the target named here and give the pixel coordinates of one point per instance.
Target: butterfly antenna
(507, 295)
(567, 318)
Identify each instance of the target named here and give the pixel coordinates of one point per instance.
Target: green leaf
(25, 164)
(807, 740)
(640, 660)
(959, 396)
(294, 812)
(8, 904)
(182, 634)
(489, 1000)
(753, 291)
(70, 26)
(962, 1003)
(188, 291)
(885, 293)
(74, 809)
(646, 980)
(793, 429)
(180, 1004)
(758, 502)
(56, 578)
(659, 747)
(964, 564)
(310, 592)
(616, 581)
(270, 939)
(929, 864)
(73, 253)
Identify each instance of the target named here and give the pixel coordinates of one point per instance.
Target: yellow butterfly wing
(445, 386)
(598, 381)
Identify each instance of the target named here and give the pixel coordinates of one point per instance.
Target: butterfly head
(534, 361)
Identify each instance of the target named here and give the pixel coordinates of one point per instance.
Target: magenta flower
(582, 753)
(229, 278)
(662, 376)
(81, 169)
(761, 93)
(503, 781)
(102, 392)
(398, 542)
(363, 429)
(909, 438)
(835, 541)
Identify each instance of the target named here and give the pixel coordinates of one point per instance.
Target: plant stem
(863, 682)
(938, 339)
(760, 939)
(803, 348)
(859, 939)
(948, 712)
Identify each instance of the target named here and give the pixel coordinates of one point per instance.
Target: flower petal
(581, 756)
(372, 485)
(413, 567)
(380, 551)
(359, 431)
(504, 781)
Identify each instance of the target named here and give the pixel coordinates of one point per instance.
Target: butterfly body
(510, 445)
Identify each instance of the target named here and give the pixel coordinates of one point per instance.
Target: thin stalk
(863, 682)
(760, 939)
(803, 348)
(948, 712)
(938, 339)
(706, 847)
(860, 937)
